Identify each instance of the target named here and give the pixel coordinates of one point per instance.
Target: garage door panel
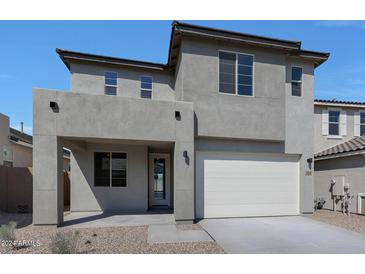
(249, 210)
(239, 185)
(251, 185)
(254, 198)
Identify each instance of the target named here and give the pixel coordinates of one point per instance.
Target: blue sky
(28, 58)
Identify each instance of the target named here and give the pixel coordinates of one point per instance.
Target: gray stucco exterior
(270, 121)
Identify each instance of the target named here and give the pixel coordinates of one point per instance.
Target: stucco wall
(352, 167)
(259, 117)
(322, 142)
(86, 78)
(86, 197)
(299, 131)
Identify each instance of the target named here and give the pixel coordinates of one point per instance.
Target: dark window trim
(236, 73)
(113, 86)
(145, 89)
(110, 168)
(296, 81)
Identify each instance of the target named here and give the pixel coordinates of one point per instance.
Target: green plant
(7, 232)
(65, 243)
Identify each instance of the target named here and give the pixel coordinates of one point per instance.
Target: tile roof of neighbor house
(353, 145)
(334, 101)
(178, 29)
(16, 136)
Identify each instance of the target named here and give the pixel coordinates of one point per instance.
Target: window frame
(295, 81)
(110, 168)
(140, 86)
(361, 124)
(236, 72)
(331, 136)
(114, 86)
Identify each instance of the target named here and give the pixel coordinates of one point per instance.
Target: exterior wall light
(54, 106)
(178, 115)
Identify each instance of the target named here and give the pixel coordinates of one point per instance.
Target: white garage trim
(244, 185)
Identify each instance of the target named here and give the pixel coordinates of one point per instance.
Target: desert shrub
(7, 232)
(65, 243)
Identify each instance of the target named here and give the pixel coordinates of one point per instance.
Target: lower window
(110, 169)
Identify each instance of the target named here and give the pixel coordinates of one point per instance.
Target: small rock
(88, 242)
(94, 235)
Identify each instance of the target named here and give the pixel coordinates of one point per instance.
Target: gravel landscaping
(120, 240)
(353, 222)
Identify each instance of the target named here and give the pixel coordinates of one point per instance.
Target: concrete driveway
(282, 235)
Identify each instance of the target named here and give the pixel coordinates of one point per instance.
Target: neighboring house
(224, 129)
(16, 147)
(340, 151)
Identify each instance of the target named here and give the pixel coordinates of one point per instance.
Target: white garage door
(242, 185)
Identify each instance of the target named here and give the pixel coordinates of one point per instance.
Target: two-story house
(339, 147)
(224, 129)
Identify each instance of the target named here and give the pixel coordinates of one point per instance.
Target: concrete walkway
(161, 227)
(97, 219)
(282, 235)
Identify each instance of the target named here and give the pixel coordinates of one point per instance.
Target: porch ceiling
(81, 143)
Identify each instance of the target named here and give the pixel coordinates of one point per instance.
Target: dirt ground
(353, 222)
(120, 240)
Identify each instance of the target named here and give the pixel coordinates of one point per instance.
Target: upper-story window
(236, 73)
(146, 87)
(296, 81)
(111, 83)
(362, 124)
(334, 122)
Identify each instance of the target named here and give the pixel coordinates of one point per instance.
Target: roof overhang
(291, 48)
(340, 155)
(339, 103)
(68, 56)
(21, 143)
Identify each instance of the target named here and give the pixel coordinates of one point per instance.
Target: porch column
(184, 164)
(47, 180)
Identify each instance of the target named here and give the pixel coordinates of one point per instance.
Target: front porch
(121, 176)
(126, 155)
